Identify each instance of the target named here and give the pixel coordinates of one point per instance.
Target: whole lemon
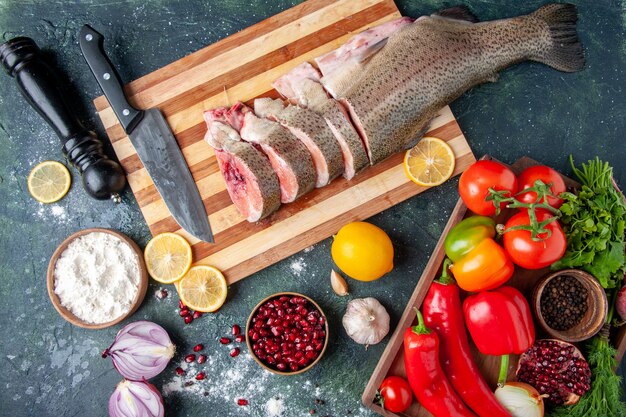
(363, 251)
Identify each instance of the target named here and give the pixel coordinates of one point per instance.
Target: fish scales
(431, 62)
(311, 129)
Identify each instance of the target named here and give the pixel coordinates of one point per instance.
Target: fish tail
(566, 53)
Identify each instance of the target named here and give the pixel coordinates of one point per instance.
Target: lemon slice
(168, 257)
(203, 289)
(49, 181)
(430, 162)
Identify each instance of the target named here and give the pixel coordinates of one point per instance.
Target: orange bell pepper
(479, 263)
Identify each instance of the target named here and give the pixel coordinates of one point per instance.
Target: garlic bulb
(520, 399)
(366, 321)
(339, 285)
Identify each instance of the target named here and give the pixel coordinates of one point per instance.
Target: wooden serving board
(242, 67)
(392, 360)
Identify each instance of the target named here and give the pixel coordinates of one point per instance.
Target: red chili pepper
(499, 321)
(423, 370)
(443, 314)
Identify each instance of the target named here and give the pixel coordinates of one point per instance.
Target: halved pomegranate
(556, 369)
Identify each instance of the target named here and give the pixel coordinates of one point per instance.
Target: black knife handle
(22, 59)
(92, 46)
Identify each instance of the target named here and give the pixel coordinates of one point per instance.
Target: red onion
(141, 350)
(136, 399)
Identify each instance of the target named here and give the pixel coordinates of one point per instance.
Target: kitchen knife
(152, 139)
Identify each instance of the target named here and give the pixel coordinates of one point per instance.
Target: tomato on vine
(529, 177)
(479, 178)
(534, 252)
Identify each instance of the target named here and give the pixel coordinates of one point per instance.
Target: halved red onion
(141, 350)
(136, 399)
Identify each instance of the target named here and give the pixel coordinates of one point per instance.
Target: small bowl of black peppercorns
(570, 305)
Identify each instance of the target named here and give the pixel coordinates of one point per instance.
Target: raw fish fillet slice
(302, 86)
(312, 130)
(250, 180)
(289, 158)
(343, 66)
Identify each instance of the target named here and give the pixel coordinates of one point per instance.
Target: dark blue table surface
(50, 368)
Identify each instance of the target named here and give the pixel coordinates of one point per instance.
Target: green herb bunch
(594, 224)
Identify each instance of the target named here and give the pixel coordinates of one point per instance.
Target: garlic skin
(339, 285)
(366, 321)
(520, 399)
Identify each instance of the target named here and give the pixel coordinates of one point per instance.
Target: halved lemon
(430, 162)
(168, 257)
(203, 289)
(49, 181)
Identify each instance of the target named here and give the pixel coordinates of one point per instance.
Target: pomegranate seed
(242, 402)
(181, 305)
(281, 366)
(190, 358)
(184, 312)
(200, 376)
(225, 340)
(201, 358)
(197, 314)
(311, 355)
(161, 294)
(293, 366)
(236, 329)
(179, 371)
(235, 352)
(240, 338)
(198, 347)
(188, 319)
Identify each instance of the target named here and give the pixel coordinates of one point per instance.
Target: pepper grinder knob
(102, 177)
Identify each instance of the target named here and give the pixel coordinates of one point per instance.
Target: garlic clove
(338, 283)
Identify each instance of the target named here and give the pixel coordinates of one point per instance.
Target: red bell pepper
(443, 313)
(500, 323)
(423, 370)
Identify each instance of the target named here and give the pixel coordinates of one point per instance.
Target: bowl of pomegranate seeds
(287, 333)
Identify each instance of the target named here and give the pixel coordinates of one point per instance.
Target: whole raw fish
(427, 64)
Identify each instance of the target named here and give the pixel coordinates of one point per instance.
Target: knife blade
(153, 141)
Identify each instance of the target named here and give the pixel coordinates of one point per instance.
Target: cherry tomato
(531, 254)
(396, 394)
(477, 179)
(546, 174)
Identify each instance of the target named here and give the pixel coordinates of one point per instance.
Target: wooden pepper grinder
(102, 177)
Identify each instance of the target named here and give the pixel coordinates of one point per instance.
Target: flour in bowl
(97, 277)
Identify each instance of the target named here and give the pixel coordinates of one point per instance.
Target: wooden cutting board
(242, 67)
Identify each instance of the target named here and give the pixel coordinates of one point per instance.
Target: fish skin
(289, 158)
(431, 62)
(240, 162)
(312, 130)
(302, 86)
(342, 66)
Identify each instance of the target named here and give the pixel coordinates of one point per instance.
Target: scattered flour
(274, 407)
(97, 277)
(309, 249)
(53, 213)
(298, 266)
